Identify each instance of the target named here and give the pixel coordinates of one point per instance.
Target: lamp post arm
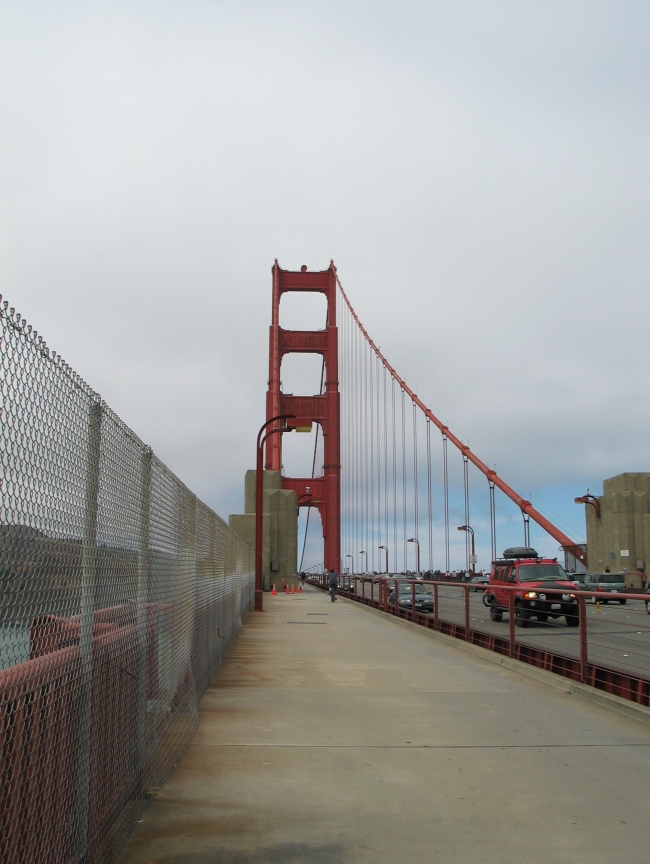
(259, 502)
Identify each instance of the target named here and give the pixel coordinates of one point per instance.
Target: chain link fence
(120, 595)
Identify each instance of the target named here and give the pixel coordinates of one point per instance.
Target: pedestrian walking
(332, 581)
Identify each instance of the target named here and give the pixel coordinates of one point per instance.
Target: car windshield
(542, 573)
(406, 589)
(610, 578)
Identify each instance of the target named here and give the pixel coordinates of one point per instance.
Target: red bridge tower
(324, 492)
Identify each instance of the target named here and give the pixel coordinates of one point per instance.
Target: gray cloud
(478, 172)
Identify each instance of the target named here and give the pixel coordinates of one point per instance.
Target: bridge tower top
(322, 492)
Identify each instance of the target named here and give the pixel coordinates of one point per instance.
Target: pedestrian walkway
(335, 735)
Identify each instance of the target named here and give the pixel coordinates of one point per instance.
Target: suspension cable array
(381, 491)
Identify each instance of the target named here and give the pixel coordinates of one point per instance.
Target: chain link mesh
(120, 594)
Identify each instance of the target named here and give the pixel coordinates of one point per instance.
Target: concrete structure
(279, 528)
(620, 537)
(334, 735)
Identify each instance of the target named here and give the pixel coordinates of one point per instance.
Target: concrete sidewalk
(335, 735)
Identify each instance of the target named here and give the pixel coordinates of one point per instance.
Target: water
(14, 645)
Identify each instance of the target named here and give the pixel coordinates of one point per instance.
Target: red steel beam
(492, 476)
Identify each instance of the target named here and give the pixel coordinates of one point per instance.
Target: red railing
(39, 729)
(630, 679)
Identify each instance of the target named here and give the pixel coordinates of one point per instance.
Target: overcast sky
(478, 171)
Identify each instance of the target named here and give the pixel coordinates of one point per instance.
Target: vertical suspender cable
(371, 387)
(493, 522)
(379, 461)
(392, 384)
(429, 499)
(353, 436)
(358, 502)
(416, 491)
(343, 319)
(362, 444)
(347, 449)
(366, 455)
(445, 481)
(385, 461)
(404, 478)
(466, 493)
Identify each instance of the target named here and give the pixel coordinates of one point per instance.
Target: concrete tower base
(279, 528)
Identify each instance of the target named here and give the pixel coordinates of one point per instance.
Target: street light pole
(468, 528)
(259, 502)
(417, 546)
(363, 552)
(386, 549)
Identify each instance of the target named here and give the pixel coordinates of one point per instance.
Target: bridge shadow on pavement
(335, 735)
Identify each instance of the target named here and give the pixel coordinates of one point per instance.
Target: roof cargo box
(520, 552)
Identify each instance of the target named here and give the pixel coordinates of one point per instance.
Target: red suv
(543, 588)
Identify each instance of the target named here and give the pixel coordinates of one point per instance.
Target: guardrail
(380, 593)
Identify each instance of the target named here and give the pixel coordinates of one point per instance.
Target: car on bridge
(423, 596)
(479, 583)
(541, 588)
(607, 583)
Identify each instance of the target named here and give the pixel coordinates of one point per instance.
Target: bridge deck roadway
(333, 734)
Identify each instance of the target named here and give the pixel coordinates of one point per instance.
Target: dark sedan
(423, 597)
(479, 583)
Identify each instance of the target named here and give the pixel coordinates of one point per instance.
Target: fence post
(413, 601)
(584, 658)
(436, 620)
(141, 609)
(466, 590)
(88, 589)
(511, 622)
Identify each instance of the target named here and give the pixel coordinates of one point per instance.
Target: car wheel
(522, 617)
(496, 614)
(542, 616)
(572, 620)
(622, 602)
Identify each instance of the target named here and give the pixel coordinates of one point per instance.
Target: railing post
(436, 619)
(413, 601)
(584, 659)
(466, 590)
(511, 622)
(87, 618)
(397, 598)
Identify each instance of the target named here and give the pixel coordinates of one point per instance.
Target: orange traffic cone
(299, 589)
(274, 591)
